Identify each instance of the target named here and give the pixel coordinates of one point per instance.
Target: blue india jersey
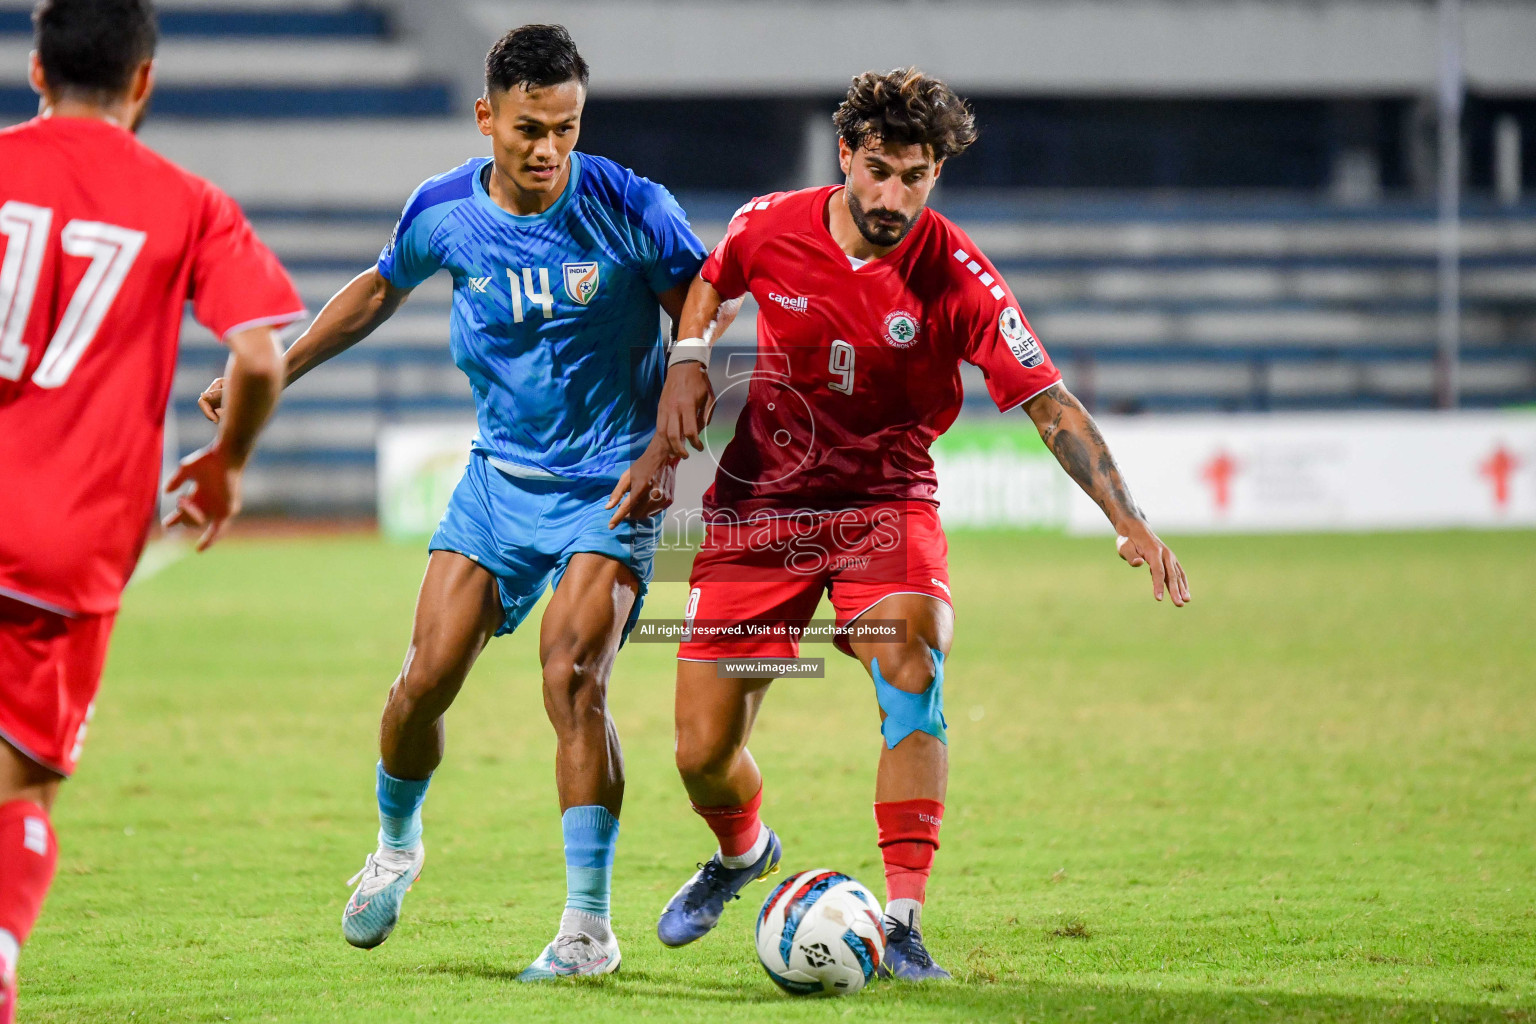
(555, 318)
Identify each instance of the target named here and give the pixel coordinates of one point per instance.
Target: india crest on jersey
(580, 281)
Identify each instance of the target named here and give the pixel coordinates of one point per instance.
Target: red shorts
(50, 669)
(756, 584)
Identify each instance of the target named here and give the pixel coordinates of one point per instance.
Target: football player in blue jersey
(559, 261)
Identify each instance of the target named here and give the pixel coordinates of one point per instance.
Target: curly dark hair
(906, 107)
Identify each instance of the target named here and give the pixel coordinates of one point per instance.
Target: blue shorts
(524, 532)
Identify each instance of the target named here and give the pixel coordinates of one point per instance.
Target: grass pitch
(1310, 795)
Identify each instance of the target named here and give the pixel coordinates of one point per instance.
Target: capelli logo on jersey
(479, 284)
(795, 304)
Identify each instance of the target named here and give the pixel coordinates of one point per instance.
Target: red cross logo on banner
(1218, 472)
(1498, 468)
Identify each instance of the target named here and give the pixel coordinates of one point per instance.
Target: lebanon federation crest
(580, 281)
(901, 328)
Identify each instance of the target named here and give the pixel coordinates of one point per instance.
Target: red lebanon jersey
(858, 370)
(104, 243)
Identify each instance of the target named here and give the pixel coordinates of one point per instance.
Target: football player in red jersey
(104, 242)
(868, 305)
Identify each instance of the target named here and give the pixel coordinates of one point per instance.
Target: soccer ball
(819, 933)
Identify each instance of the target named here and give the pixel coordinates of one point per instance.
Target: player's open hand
(646, 486)
(213, 499)
(211, 401)
(687, 402)
(1140, 546)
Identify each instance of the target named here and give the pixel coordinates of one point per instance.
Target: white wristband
(688, 350)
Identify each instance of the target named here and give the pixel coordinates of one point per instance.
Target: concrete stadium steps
(261, 61)
(1152, 304)
(1272, 283)
(423, 322)
(191, 62)
(246, 19)
(1153, 313)
(1151, 325)
(1270, 240)
(308, 486)
(371, 164)
(1183, 380)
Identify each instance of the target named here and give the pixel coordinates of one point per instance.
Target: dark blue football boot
(699, 903)
(906, 958)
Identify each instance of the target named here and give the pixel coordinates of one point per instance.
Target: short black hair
(533, 56)
(93, 46)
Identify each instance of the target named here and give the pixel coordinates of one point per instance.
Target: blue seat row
(424, 99)
(211, 68)
(1325, 310)
(355, 22)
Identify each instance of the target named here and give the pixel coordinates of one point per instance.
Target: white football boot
(572, 955)
(374, 908)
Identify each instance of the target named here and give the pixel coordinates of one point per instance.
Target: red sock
(28, 855)
(735, 827)
(909, 837)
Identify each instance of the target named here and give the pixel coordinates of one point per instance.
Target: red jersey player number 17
(96, 272)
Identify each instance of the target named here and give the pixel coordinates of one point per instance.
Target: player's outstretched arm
(255, 380)
(352, 314)
(1074, 439)
(687, 399)
(699, 316)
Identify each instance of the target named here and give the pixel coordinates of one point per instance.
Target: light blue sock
(591, 833)
(400, 803)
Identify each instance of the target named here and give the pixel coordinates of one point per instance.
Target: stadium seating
(315, 59)
(1146, 307)
(1266, 305)
(1146, 303)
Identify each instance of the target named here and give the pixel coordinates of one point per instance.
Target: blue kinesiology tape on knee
(906, 713)
(591, 834)
(400, 803)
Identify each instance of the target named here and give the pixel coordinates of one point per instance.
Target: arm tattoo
(1075, 440)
